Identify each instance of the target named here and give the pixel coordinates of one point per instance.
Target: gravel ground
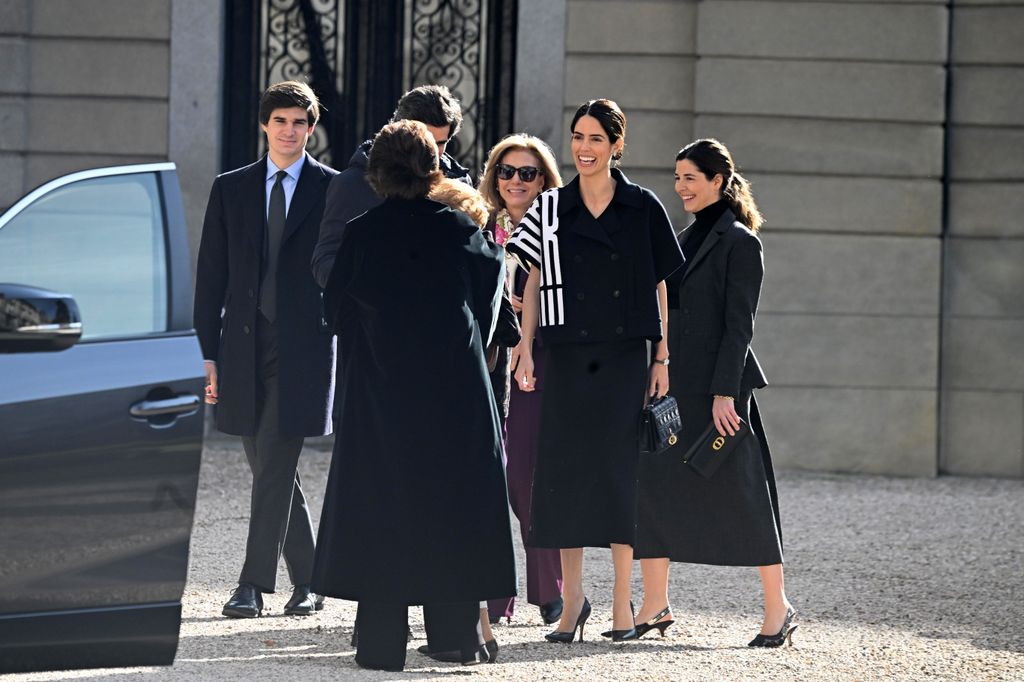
(896, 579)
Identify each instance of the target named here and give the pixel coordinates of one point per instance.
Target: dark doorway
(360, 56)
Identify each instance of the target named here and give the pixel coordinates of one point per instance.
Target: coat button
(245, 328)
(578, 258)
(580, 296)
(251, 293)
(619, 330)
(583, 332)
(615, 256)
(616, 293)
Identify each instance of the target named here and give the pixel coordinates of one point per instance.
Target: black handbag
(711, 449)
(659, 425)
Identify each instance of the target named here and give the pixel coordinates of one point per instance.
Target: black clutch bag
(659, 425)
(711, 449)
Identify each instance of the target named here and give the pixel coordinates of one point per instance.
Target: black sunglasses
(526, 173)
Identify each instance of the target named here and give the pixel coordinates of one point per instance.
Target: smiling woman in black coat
(416, 510)
(731, 518)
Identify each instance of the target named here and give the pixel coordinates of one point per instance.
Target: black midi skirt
(731, 519)
(584, 484)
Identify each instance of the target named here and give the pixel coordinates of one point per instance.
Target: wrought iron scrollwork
(293, 49)
(448, 47)
(359, 56)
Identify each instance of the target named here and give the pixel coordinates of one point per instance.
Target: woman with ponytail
(728, 517)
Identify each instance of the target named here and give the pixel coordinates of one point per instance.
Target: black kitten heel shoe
(655, 623)
(568, 637)
(781, 637)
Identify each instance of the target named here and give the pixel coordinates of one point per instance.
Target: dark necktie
(275, 230)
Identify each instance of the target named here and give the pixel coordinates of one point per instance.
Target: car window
(101, 240)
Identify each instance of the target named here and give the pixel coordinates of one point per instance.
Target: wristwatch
(664, 362)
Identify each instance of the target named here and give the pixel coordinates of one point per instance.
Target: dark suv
(100, 421)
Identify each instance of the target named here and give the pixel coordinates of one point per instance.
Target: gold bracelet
(725, 397)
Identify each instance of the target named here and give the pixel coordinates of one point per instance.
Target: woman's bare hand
(723, 412)
(657, 382)
(517, 303)
(523, 364)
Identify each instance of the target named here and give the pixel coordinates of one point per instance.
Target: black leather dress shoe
(488, 653)
(303, 602)
(551, 612)
(245, 602)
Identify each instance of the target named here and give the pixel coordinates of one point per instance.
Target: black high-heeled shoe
(568, 637)
(624, 635)
(655, 623)
(781, 637)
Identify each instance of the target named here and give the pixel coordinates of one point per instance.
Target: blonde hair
(461, 197)
(517, 141)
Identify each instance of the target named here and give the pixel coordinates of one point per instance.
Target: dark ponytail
(712, 158)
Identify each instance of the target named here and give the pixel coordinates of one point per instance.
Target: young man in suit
(350, 194)
(268, 353)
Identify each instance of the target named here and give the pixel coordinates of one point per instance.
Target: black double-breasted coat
(733, 517)
(416, 509)
(228, 276)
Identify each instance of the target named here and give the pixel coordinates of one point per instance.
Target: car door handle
(179, 404)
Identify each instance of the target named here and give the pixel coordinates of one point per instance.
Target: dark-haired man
(350, 194)
(269, 355)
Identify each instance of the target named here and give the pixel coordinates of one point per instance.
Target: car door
(99, 444)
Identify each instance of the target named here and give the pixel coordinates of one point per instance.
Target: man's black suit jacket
(228, 278)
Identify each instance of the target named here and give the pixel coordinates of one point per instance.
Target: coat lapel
(305, 196)
(724, 221)
(254, 213)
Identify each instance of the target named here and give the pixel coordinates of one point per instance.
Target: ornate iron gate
(359, 56)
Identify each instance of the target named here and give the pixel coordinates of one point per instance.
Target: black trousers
(383, 631)
(279, 521)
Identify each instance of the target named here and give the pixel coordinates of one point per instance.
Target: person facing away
(415, 510)
(268, 353)
(350, 194)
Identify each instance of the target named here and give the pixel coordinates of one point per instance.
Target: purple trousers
(543, 566)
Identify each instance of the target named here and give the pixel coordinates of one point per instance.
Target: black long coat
(416, 509)
(228, 278)
(733, 517)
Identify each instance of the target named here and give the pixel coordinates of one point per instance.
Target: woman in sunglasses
(599, 250)
(517, 170)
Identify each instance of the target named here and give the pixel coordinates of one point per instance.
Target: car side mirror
(34, 320)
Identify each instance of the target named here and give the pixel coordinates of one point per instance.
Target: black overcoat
(416, 509)
(228, 279)
(712, 309)
(733, 517)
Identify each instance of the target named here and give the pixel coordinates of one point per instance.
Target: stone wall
(983, 306)
(89, 83)
(84, 84)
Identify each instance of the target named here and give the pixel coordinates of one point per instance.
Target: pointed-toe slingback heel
(783, 636)
(659, 623)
